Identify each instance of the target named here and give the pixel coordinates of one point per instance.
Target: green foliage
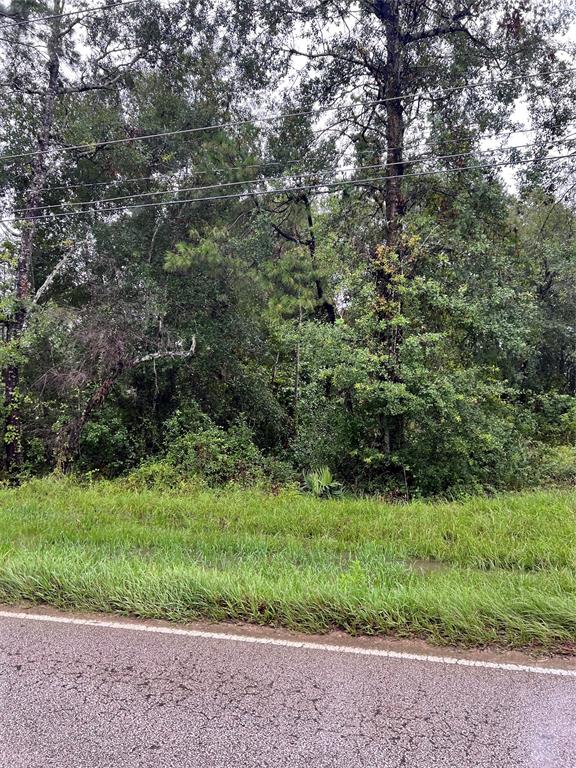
(108, 445)
(204, 251)
(199, 452)
(442, 364)
(218, 455)
(552, 465)
(161, 475)
(321, 484)
(553, 417)
(280, 475)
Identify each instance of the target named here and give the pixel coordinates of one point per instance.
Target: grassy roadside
(499, 570)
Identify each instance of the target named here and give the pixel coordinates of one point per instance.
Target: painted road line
(301, 644)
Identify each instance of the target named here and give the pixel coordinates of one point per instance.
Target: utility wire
(236, 123)
(335, 169)
(42, 19)
(271, 163)
(261, 193)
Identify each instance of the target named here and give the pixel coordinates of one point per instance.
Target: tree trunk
(388, 258)
(23, 288)
(390, 91)
(328, 309)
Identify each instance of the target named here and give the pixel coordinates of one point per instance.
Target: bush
(554, 465)
(219, 456)
(108, 445)
(321, 483)
(158, 475)
(280, 473)
(201, 453)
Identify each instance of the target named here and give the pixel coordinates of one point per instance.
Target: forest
(317, 243)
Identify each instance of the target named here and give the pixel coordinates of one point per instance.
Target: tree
(404, 69)
(78, 97)
(365, 290)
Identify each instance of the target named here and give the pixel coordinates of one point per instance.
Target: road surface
(77, 695)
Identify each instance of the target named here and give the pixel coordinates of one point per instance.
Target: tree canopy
(247, 240)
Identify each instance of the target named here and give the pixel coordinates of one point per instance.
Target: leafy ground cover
(482, 570)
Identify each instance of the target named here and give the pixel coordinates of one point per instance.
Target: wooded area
(246, 240)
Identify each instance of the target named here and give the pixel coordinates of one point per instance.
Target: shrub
(280, 473)
(109, 445)
(218, 455)
(554, 465)
(200, 452)
(159, 475)
(321, 483)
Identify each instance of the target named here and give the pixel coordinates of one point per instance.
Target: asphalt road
(75, 696)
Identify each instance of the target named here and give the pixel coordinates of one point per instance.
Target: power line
(42, 19)
(261, 193)
(236, 123)
(271, 163)
(336, 169)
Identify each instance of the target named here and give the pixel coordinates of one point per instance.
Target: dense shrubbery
(453, 428)
(201, 452)
(485, 457)
(218, 455)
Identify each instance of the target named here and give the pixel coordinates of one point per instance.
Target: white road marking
(355, 650)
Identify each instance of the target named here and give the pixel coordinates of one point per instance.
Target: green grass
(508, 572)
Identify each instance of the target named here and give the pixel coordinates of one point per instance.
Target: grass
(506, 575)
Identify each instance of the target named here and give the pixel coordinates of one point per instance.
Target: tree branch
(47, 284)
(445, 29)
(120, 71)
(287, 235)
(165, 354)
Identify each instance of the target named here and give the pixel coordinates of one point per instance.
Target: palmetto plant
(321, 483)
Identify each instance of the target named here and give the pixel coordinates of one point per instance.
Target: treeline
(246, 241)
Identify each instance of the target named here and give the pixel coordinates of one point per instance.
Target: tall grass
(508, 575)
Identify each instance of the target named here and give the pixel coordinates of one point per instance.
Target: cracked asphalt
(82, 696)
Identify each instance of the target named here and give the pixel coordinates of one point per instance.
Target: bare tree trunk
(23, 289)
(390, 93)
(394, 133)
